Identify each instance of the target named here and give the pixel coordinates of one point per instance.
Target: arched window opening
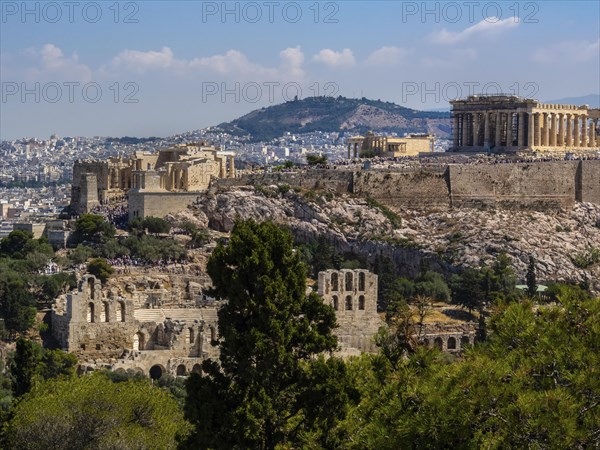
(90, 313)
(138, 341)
(181, 370)
(348, 303)
(197, 369)
(105, 312)
(361, 281)
(92, 288)
(451, 343)
(156, 372)
(335, 282)
(438, 343)
(349, 281)
(361, 302)
(336, 303)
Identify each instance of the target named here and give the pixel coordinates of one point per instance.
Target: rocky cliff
(443, 239)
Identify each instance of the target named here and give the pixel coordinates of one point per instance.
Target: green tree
(156, 225)
(100, 269)
(14, 245)
(94, 412)
(314, 160)
(17, 304)
(24, 365)
(268, 387)
(93, 228)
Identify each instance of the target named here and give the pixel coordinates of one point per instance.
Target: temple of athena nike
(508, 123)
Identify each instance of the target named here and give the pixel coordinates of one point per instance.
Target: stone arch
(335, 286)
(139, 341)
(361, 281)
(181, 370)
(451, 343)
(90, 312)
(349, 281)
(438, 343)
(426, 342)
(361, 302)
(157, 371)
(197, 369)
(105, 314)
(464, 341)
(336, 302)
(348, 303)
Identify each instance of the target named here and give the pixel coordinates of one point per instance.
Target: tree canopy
(269, 387)
(94, 412)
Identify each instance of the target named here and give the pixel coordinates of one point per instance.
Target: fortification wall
(331, 179)
(546, 185)
(588, 188)
(414, 190)
(159, 204)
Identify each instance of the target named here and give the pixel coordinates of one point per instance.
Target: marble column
(576, 130)
(531, 131)
(465, 130)
(552, 142)
(561, 129)
(486, 130)
(569, 130)
(538, 129)
(593, 132)
(455, 130)
(521, 129)
(584, 131)
(476, 129)
(509, 129)
(498, 136)
(546, 136)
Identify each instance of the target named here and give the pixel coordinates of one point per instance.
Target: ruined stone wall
(541, 186)
(353, 296)
(414, 190)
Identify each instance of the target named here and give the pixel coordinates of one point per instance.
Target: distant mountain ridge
(593, 100)
(330, 114)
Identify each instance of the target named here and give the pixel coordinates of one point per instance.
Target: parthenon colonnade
(514, 123)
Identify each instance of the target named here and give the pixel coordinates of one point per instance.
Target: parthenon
(508, 123)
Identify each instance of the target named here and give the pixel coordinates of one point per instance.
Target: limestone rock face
(443, 239)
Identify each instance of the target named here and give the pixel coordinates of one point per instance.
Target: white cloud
(141, 62)
(335, 59)
(387, 56)
(292, 59)
(52, 64)
(568, 51)
(488, 26)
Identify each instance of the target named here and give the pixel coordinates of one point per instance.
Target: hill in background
(330, 114)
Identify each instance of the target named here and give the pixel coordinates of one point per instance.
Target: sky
(157, 68)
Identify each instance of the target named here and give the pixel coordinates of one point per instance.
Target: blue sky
(159, 68)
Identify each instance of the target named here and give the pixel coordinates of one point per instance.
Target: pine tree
(269, 385)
